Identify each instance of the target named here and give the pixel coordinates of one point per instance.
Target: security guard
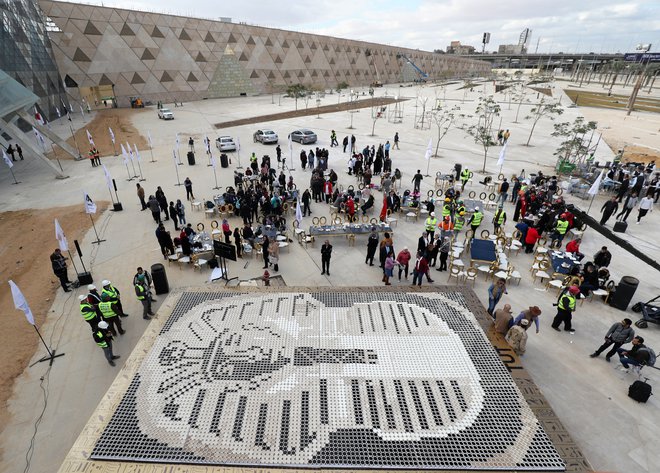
(430, 224)
(114, 294)
(103, 338)
(560, 230)
(459, 221)
(110, 314)
(460, 207)
(476, 219)
(446, 208)
(144, 296)
(465, 176)
(565, 309)
(89, 312)
(499, 219)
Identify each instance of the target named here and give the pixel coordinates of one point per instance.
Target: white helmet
(432, 214)
(476, 209)
(91, 287)
(105, 283)
(82, 298)
(103, 325)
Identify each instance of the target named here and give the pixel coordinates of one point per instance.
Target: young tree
(341, 86)
(541, 110)
(482, 132)
(575, 147)
(519, 96)
(296, 91)
(444, 119)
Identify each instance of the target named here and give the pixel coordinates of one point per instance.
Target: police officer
(465, 176)
(430, 225)
(144, 296)
(103, 338)
(476, 219)
(560, 230)
(499, 219)
(114, 294)
(565, 309)
(110, 314)
(88, 312)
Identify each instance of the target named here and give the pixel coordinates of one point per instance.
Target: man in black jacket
(602, 258)
(326, 253)
(608, 209)
(637, 355)
(619, 334)
(58, 262)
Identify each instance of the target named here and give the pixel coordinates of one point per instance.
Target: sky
(568, 26)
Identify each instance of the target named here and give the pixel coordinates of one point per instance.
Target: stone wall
(166, 57)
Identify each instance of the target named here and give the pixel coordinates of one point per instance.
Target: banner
(57, 110)
(596, 185)
(238, 144)
(112, 135)
(212, 161)
(8, 162)
(90, 206)
(20, 303)
(130, 151)
(429, 150)
(108, 178)
(40, 138)
(299, 215)
(137, 153)
(82, 112)
(61, 239)
(500, 161)
(89, 135)
(124, 153)
(38, 117)
(151, 145)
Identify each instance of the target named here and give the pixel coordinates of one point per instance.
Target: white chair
(486, 269)
(198, 262)
(455, 272)
(411, 215)
(184, 260)
(515, 274)
(172, 258)
(390, 220)
(284, 244)
(470, 275)
(196, 205)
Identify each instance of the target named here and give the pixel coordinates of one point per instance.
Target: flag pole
(73, 135)
(176, 168)
(98, 239)
(51, 354)
(14, 177)
(142, 178)
(128, 172)
(72, 261)
(134, 171)
(151, 149)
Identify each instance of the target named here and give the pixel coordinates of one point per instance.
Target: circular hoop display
(200, 224)
(214, 224)
(322, 220)
(315, 221)
(472, 194)
(483, 196)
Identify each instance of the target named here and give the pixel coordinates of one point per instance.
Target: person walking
(465, 177)
(499, 219)
(503, 192)
(475, 221)
(143, 294)
(565, 309)
(444, 253)
(238, 242)
(628, 206)
(110, 314)
(58, 263)
(403, 258)
(103, 338)
(162, 202)
(345, 142)
(388, 269)
(421, 268)
(326, 253)
(618, 335)
(189, 190)
(396, 140)
(610, 207)
(140, 194)
(19, 150)
(495, 293)
(174, 214)
(306, 199)
(333, 139)
(180, 212)
(417, 181)
(265, 250)
(154, 206)
(645, 206)
(11, 151)
(372, 245)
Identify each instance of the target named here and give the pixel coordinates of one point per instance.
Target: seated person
(637, 355)
(368, 204)
(590, 281)
(573, 246)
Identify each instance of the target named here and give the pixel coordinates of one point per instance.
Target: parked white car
(225, 143)
(165, 114)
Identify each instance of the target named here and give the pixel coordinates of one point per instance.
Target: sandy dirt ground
(29, 240)
(124, 131)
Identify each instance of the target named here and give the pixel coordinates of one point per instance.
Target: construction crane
(422, 75)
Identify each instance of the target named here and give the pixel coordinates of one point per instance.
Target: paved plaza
(588, 396)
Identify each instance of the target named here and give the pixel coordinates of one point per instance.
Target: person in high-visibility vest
(565, 308)
(103, 338)
(446, 208)
(476, 219)
(88, 312)
(560, 230)
(110, 314)
(430, 224)
(446, 228)
(460, 207)
(115, 296)
(465, 176)
(144, 296)
(499, 219)
(459, 221)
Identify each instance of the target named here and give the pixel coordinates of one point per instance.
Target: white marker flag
(112, 135)
(40, 138)
(108, 178)
(130, 151)
(429, 150)
(90, 206)
(89, 137)
(596, 185)
(61, 239)
(20, 303)
(57, 110)
(238, 144)
(299, 215)
(137, 153)
(174, 156)
(124, 153)
(151, 145)
(82, 112)
(500, 161)
(7, 160)
(212, 161)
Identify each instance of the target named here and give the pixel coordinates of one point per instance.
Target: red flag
(383, 212)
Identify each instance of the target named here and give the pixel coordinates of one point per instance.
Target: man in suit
(326, 253)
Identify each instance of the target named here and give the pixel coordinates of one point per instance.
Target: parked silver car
(225, 143)
(165, 114)
(265, 136)
(304, 136)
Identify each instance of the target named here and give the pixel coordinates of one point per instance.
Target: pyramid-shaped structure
(230, 79)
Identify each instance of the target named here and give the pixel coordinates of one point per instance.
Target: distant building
(455, 47)
(521, 47)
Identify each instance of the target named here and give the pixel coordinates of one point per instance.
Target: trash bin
(224, 160)
(159, 277)
(624, 293)
(191, 158)
(458, 168)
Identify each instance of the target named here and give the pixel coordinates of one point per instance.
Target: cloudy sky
(559, 25)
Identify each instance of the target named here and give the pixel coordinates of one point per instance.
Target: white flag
(299, 215)
(57, 110)
(596, 185)
(212, 161)
(7, 160)
(124, 153)
(40, 138)
(137, 153)
(174, 156)
(112, 135)
(38, 116)
(90, 206)
(500, 161)
(61, 239)
(20, 303)
(130, 151)
(238, 144)
(108, 178)
(89, 136)
(82, 112)
(429, 150)
(151, 145)
(177, 141)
